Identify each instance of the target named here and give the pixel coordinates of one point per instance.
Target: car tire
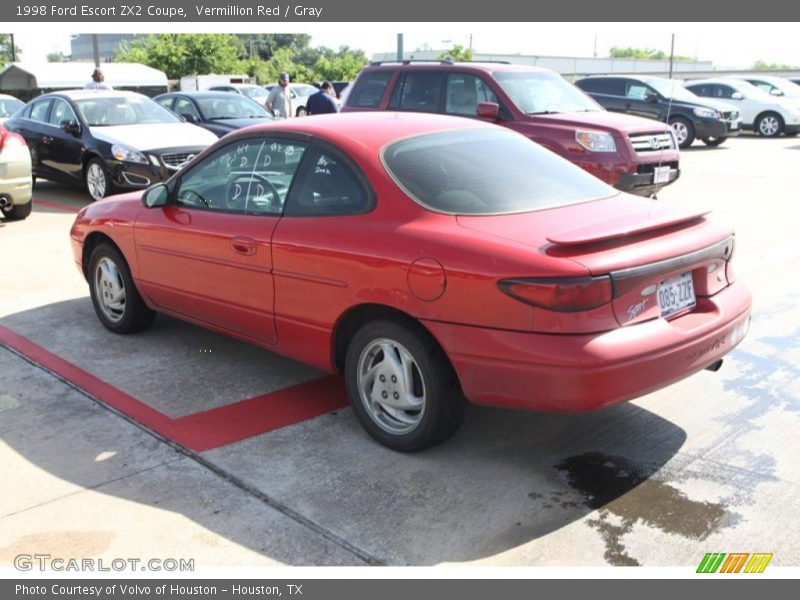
(791, 133)
(116, 300)
(402, 387)
(18, 212)
(301, 111)
(96, 179)
(769, 124)
(684, 131)
(713, 141)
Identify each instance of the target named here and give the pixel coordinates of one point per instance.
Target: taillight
(560, 294)
(10, 140)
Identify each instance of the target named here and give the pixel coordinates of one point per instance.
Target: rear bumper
(574, 373)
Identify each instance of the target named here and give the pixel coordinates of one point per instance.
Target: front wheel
(96, 179)
(769, 125)
(713, 141)
(402, 387)
(18, 212)
(116, 300)
(684, 131)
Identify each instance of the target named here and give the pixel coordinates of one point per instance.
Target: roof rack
(446, 61)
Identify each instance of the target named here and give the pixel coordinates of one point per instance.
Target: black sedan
(219, 112)
(107, 140)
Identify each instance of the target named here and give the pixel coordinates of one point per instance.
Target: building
(107, 43)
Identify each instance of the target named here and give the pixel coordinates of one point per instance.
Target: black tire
(433, 377)
(713, 141)
(791, 133)
(769, 125)
(18, 212)
(95, 170)
(133, 315)
(684, 131)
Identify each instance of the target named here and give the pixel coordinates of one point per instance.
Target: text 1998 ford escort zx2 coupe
(428, 258)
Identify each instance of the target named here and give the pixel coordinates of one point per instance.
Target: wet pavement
(706, 465)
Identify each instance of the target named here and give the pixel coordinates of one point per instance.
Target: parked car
(429, 259)
(795, 80)
(8, 106)
(775, 86)
(254, 92)
(219, 112)
(690, 116)
(15, 176)
(300, 95)
(767, 115)
(108, 140)
(630, 153)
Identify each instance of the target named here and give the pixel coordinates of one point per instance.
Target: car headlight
(125, 153)
(595, 141)
(706, 113)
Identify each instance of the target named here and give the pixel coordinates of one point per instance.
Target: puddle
(625, 493)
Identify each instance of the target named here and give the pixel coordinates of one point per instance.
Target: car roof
(369, 130)
(486, 67)
(200, 94)
(83, 94)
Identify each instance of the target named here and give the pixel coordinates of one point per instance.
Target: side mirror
(737, 96)
(155, 196)
(71, 126)
(776, 92)
(189, 118)
(650, 97)
(488, 110)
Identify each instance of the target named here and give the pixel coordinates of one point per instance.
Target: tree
(343, 65)
(56, 57)
(646, 53)
(264, 45)
(5, 49)
(760, 65)
(183, 54)
(457, 53)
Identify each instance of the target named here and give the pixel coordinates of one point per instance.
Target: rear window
(368, 90)
(482, 172)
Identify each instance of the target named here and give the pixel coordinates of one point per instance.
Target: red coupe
(430, 259)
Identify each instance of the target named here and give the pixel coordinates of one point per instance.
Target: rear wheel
(402, 387)
(713, 141)
(116, 300)
(17, 212)
(684, 131)
(769, 125)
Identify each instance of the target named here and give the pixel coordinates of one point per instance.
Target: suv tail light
(10, 140)
(560, 294)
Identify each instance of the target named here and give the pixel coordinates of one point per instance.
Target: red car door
(207, 255)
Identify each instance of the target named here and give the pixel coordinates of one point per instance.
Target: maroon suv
(631, 153)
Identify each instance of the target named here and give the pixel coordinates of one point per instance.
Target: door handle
(47, 139)
(243, 245)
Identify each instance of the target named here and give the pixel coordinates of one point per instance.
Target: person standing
(322, 101)
(98, 81)
(279, 101)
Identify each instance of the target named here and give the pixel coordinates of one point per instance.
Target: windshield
(788, 88)
(671, 88)
(127, 110)
(484, 172)
(232, 106)
(8, 106)
(541, 93)
(255, 92)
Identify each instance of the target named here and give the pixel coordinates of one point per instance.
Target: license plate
(676, 294)
(661, 175)
(735, 126)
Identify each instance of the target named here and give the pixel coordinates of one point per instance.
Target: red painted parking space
(56, 205)
(203, 430)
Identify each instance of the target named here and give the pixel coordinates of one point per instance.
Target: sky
(728, 45)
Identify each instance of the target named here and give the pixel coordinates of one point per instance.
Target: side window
(185, 107)
(249, 176)
(368, 90)
(166, 102)
(700, 90)
(763, 86)
(421, 91)
(723, 91)
(26, 114)
(608, 86)
(61, 112)
(328, 187)
(636, 90)
(39, 111)
(464, 92)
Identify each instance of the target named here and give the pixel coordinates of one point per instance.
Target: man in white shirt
(98, 82)
(279, 101)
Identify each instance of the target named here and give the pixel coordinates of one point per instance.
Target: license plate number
(676, 294)
(661, 175)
